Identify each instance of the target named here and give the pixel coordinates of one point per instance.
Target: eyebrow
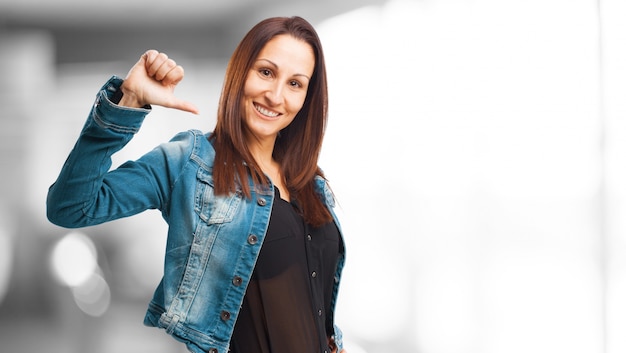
(276, 66)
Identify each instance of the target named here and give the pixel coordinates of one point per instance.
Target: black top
(286, 308)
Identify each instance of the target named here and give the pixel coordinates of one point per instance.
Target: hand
(333, 346)
(152, 81)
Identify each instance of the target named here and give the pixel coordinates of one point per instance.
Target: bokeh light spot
(74, 259)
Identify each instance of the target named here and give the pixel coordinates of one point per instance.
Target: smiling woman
(260, 63)
(274, 93)
(254, 251)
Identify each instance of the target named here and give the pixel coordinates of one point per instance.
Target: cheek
(298, 102)
(247, 89)
(250, 86)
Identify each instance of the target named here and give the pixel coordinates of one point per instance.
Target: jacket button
(237, 281)
(308, 237)
(261, 201)
(313, 274)
(252, 239)
(213, 350)
(225, 315)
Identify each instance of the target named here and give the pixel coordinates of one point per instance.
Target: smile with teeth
(266, 112)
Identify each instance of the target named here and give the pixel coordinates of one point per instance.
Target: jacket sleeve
(338, 339)
(86, 192)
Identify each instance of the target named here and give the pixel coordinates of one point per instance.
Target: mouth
(266, 112)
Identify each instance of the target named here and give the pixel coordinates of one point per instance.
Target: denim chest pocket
(211, 208)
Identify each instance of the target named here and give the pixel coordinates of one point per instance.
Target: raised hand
(152, 80)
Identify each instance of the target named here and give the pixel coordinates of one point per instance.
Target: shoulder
(193, 145)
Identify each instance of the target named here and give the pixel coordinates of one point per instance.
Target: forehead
(289, 52)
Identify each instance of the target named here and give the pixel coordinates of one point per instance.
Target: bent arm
(85, 193)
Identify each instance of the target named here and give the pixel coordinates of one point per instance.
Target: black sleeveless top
(286, 308)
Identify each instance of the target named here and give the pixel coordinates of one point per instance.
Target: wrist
(128, 98)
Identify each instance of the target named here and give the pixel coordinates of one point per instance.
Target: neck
(262, 151)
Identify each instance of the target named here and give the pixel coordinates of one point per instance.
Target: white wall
(466, 145)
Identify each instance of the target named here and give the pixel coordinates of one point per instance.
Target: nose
(274, 94)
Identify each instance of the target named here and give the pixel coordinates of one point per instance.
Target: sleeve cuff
(110, 115)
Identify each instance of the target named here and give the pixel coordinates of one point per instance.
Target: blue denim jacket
(213, 241)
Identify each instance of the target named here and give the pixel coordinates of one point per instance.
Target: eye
(265, 72)
(295, 84)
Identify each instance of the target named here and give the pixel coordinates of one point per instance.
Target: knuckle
(169, 65)
(149, 54)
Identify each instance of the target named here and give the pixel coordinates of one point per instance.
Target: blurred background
(477, 149)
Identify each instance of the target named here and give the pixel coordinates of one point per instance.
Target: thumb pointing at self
(152, 81)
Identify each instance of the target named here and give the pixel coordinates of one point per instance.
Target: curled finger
(149, 55)
(154, 63)
(164, 70)
(173, 76)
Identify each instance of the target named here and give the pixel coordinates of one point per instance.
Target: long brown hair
(298, 146)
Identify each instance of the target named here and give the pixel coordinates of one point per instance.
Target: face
(276, 85)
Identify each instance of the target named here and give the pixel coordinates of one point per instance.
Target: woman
(254, 250)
